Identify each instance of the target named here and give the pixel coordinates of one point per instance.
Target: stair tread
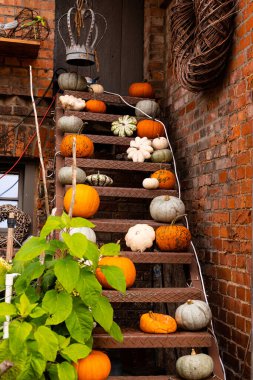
(112, 140)
(138, 339)
(108, 98)
(158, 377)
(91, 116)
(116, 164)
(130, 192)
(142, 295)
(159, 257)
(121, 225)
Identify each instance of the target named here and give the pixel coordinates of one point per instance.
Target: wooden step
(117, 164)
(110, 140)
(159, 377)
(138, 339)
(143, 295)
(121, 225)
(128, 192)
(159, 257)
(107, 98)
(98, 117)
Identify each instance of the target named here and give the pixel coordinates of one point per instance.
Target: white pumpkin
(72, 103)
(160, 143)
(96, 88)
(161, 155)
(124, 126)
(193, 315)
(150, 107)
(70, 124)
(166, 208)
(140, 237)
(195, 366)
(140, 149)
(65, 175)
(86, 231)
(150, 183)
(99, 179)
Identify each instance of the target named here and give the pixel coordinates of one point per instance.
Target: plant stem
(73, 178)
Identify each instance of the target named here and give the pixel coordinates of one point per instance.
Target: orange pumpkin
(123, 263)
(84, 146)
(156, 323)
(166, 178)
(150, 128)
(94, 105)
(96, 366)
(141, 90)
(86, 201)
(172, 238)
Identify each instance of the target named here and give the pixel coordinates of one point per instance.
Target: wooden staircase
(134, 338)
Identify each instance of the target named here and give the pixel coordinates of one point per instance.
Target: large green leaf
(66, 371)
(80, 322)
(115, 277)
(52, 223)
(80, 222)
(76, 244)
(7, 309)
(32, 248)
(32, 271)
(88, 287)
(110, 249)
(116, 333)
(103, 313)
(75, 351)
(34, 366)
(92, 253)
(67, 272)
(18, 334)
(47, 343)
(57, 305)
(25, 306)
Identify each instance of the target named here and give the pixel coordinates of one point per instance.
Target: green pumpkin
(161, 155)
(72, 81)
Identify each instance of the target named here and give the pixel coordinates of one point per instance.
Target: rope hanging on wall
(201, 38)
(23, 222)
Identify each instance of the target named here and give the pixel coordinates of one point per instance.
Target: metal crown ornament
(83, 35)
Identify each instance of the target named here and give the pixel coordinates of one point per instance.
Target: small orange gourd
(166, 178)
(86, 201)
(94, 105)
(141, 90)
(123, 263)
(84, 146)
(96, 366)
(172, 237)
(156, 323)
(150, 128)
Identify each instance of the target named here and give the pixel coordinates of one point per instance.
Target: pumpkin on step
(70, 102)
(86, 201)
(123, 263)
(70, 124)
(94, 105)
(141, 90)
(140, 149)
(65, 175)
(140, 237)
(172, 238)
(99, 180)
(195, 366)
(155, 323)
(193, 315)
(150, 128)
(150, 183)
(161, 155)
(124, 126)
(166, 178)
(84, 146)
(96, 366)
(165, 208)
(148, 107)
(160, 143)
(72, 81)
(96, 88)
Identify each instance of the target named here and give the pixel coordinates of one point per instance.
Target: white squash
(124, 126)
(96, 88)
(65, 175)
(195, 366)
(70, 124)
(86, 231)
(150, 183)
(166, 208)
(149, 107)
(99, 179)
(193, 315)
(160, 143)
(72, 103)
(140, 237)
(140, 149)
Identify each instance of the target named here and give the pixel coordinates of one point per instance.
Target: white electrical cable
(187, 224)
(9, 278)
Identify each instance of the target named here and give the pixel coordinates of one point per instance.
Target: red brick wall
(212, 138)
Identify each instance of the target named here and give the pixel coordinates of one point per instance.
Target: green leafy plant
(56, 305)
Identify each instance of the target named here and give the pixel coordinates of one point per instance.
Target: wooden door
(120, 53)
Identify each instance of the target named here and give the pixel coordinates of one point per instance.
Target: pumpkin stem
(176, 218)
(193, 352)
(151, 314)
(166, 197)
(189, 302)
